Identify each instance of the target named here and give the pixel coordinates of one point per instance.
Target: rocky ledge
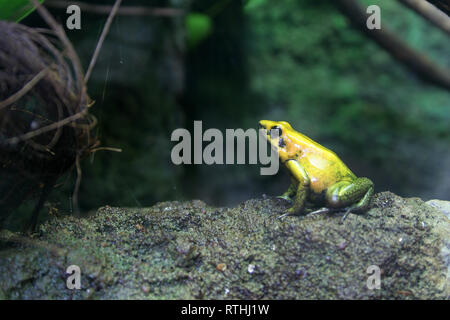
(189, 250)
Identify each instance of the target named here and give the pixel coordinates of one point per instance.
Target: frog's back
(323, 166)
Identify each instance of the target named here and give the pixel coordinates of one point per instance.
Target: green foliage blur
(15, 10)
(198, 28)
(232, 63)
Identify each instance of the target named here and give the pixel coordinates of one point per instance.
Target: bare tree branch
(59, 31)
(398, 49)
(429, 12)
(27, 87)
(126, 11)
(442, 5)
(112, 13)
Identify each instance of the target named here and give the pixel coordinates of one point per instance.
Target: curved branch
(442, 5)
(398, 49)
(429, 12)
(125, 10)
(102, 39)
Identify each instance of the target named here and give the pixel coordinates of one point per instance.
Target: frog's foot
(361, 207)
(290, 192)
(284, 215)
(305, 211)
(321, 210)
(299, 199)
(354, 209)
(349, 210)
(285, 196)
(289, 212)
(325, 210)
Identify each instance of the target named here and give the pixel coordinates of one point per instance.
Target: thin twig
(77, 187)
(125, 11)
(67, 44)
(102, 38)
(23, 91)
(106, 148)
(50, 127)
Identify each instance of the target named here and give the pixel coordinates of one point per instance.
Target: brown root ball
(44, 123)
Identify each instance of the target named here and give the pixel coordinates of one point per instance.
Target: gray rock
(441, 205)
(189, 250)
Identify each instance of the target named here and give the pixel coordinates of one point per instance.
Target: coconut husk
(45, 127)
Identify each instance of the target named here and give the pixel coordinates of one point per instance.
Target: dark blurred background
(231, 63)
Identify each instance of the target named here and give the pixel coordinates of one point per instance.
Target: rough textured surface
(441, 205)
(189, 250)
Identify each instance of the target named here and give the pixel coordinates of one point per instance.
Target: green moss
(172, 251)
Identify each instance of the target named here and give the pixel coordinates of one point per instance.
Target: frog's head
(279, 134)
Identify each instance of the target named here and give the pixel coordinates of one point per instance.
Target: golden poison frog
(318, 175)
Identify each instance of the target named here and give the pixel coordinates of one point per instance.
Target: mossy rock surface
(189, 250)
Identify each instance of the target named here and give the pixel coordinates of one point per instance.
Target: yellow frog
(318, 175)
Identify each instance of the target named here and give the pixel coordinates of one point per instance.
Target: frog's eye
(275, 129)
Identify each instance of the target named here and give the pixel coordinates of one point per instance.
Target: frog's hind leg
(290, 191)
(352, 196)
(362, 206)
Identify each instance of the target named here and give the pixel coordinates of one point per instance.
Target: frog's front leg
(290, 191)
(353, 195)
(302, 187)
